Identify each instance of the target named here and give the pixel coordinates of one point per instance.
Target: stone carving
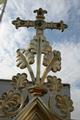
(20, 81)
(54, 56)
(65, 104)
(54, 83)
(29, 56)
(22, 62)
(10, 102)
(55, 86)
(53, 62)
(24, 57)
(37, 90)
(45, 47)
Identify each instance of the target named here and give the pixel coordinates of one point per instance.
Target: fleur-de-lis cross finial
(40, 13)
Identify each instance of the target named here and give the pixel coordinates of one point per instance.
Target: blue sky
(67, 42)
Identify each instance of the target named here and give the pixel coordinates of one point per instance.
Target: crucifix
(40, 25)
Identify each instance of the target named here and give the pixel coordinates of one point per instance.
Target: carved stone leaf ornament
(22, 62)
(20, 81)
(52, 61)
(64, 103)
(45, 46)
(33, 46)
(57, 62)
(55, 57)
(24, 57)
(10, 102)
(47, 58)
(29, 56)
(21, 59)
(54, 83)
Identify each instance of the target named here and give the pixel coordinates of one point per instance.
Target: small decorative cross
(39, 23)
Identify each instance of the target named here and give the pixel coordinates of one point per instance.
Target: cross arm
(60, 26)
(23, 23)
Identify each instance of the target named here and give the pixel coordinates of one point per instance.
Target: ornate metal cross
(40, 25)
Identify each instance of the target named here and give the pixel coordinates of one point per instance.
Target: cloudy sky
(67, 42)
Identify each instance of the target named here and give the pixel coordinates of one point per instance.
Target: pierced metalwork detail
(65, 104)
(54, 83)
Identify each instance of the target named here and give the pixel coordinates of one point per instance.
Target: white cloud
(57, 10)
(76, 4)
